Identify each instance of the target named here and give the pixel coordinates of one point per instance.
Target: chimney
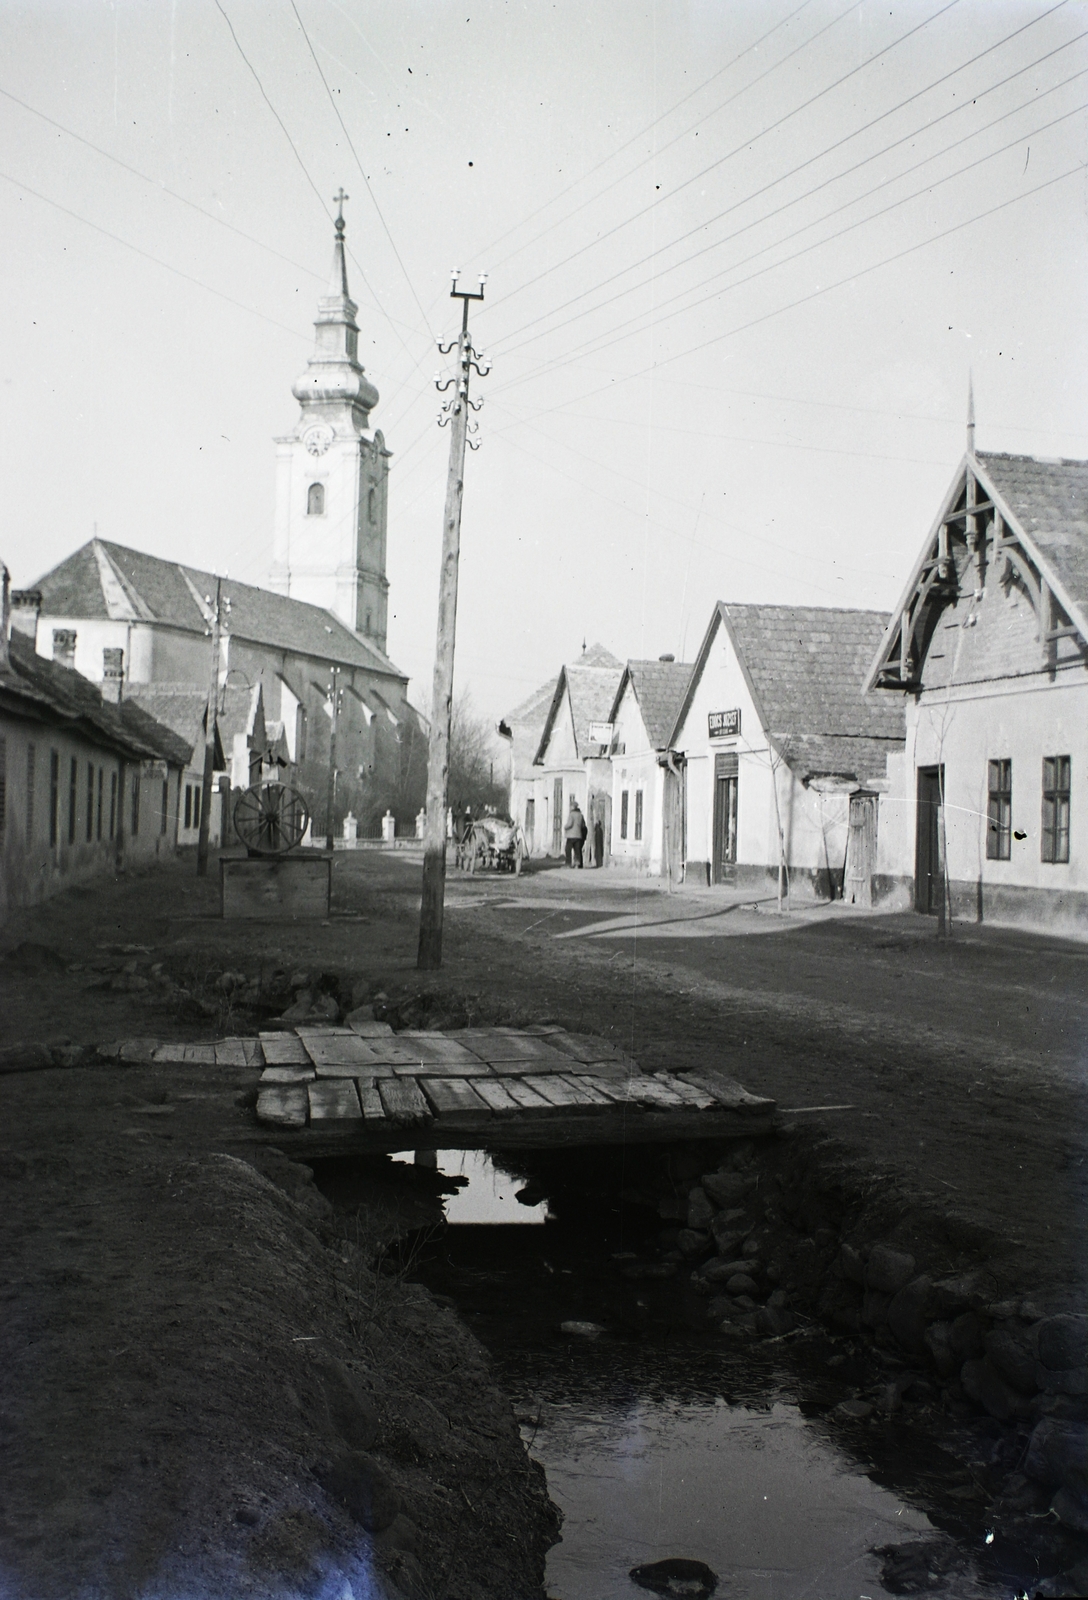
(26, 605)
(113, 674)
(5, 621)
(64, 647)
(667, 658)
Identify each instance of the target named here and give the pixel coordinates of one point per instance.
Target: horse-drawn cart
(492, 842)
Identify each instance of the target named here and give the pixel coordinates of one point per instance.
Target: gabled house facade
(647, 796)
(573, 754)
(533, 785)
(786, 770)
(988, 650)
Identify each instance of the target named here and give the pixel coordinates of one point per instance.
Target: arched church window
(371, 504)
(315, 500)
(366, 629)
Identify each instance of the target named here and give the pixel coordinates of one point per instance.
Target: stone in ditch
(983, 1384)
(727, 1188)
(773, 1321)
(874, 1308)
(362, 1488)
(907, 1314)
(692, 1243)
(967, 1292)
(351, 1414)
(720, 1308)
(1057, 1452)
(722, 1271)
(582, 1330)
(937, 1340)
(888, 1270)
(853, 1265)
(1073, 1381)
(1012, 1357)
(1071, 1508)
(1062, 1341)
(741, 1283)
(677, 1577)
(966, 1336)
(701, 1211)
(854, 1410)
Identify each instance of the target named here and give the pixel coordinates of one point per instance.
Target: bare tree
(475, 759)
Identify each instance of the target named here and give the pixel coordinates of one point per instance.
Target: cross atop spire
(340, 197)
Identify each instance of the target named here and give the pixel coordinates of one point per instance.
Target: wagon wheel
(270, 819)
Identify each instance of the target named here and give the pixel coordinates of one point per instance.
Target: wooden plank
(496, 1095)
(526, 1098)
(284, 1106)
(691, 1094)
(138, 1049)
(403, 1101)
(334, 1099)
(353, 1069)
(453, 1100)
(727, 1092)
(441, 1069)
(439, 1048)
(200, 1055)
(498, 1045)
(253, 1053)
(587, 1048)
(558, 1091)
(341, 1049)
(370, 1100)
(284, 1050)
(367, 1028)
(287, 1075)
(230, 1053)
(172, 1055)
(589, 1088)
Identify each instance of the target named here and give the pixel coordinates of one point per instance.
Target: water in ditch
(662, 1441)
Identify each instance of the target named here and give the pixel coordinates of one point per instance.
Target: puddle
(658, 1440)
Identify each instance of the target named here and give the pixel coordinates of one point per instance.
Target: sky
(743, 258)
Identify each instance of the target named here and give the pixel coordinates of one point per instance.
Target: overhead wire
(756, 194)
(593, 347)
(745, 145)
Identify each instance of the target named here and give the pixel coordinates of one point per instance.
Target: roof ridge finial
(338, 282)
(970, 413)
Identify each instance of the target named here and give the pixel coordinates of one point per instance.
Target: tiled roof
(1049, 499)
(181, 708)
(806, 666)
(812, 755)
(157, 590)
(591, 691)
(60, 694)
(659, 688)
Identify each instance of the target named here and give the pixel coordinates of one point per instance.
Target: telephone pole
(211, 718)
(455, 411)
(330, 797)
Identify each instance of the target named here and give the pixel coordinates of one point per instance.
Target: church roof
(33, 686)
(102, 579)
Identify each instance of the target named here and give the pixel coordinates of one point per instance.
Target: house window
(371, 505)
(638, 813)
(90, 802)
(999, 812)
(73, 784)
(1056, 808)
(135, 804)
(624, 800)
(113, 802)
(188, 805)
(54, 796)
(165, 804)
(315, 500)
(98, 829)
(30, 754)
(198, 795)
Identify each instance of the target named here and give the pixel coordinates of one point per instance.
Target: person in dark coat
(574, 835)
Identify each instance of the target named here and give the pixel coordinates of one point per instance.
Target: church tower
(332, 475)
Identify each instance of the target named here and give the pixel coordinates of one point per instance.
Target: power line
(815, 294)
(835, 177)
(745, 145)
(161, 187)
(128, 245)
(593, 347)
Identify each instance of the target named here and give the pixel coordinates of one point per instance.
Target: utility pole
(211, 719)
(330, 796)
(455, 411)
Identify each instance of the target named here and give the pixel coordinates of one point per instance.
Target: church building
(140, 625)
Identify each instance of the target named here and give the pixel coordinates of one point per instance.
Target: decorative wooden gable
(976, 543)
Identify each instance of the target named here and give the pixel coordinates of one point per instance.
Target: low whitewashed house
(573, 756)
(782, 764)
(532, 788)
(647, 806)
(988, 649)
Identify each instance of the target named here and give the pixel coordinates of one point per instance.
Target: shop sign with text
(724, 724)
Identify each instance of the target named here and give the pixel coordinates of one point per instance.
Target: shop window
(315, 500)
(999, 812)
(90, 802)
(31, 754)
(73, 787)
(624, 802)
(638, 813)
(1056, 789)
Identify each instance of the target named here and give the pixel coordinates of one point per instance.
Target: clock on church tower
(332, 474)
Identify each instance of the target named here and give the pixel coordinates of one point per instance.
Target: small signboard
(724, 724)
(600, 732)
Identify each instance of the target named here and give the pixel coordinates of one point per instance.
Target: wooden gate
(674, 824)
(928, 866)
(557, 817)
(860, 851)
(726, 782)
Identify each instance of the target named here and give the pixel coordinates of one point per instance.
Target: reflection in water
(488, 1195)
